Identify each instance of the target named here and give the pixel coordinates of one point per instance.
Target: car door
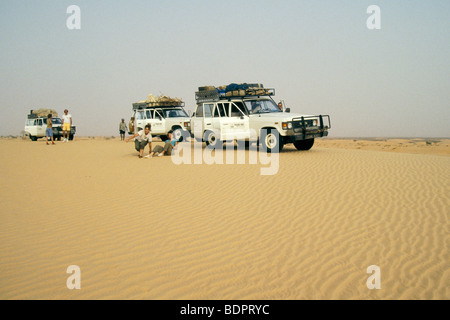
(197, 123)
(208, 117)
(40, 128)
(239, 124)
(159, 123)
(139, 120)
(150, 119)
(224, 122)
(216, 119)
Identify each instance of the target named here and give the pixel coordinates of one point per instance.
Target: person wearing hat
(122, 129)
(66, 124)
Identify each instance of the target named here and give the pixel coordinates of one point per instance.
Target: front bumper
(57, 131)
(305, 128)
(309, 134)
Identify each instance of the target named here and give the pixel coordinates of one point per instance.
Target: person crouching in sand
(143, 138)
(169, 146)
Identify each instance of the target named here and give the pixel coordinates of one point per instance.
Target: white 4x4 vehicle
(35, 127)
(251, 115)
(162, 118)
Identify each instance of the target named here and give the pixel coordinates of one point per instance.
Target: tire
(71, 137)
(33, 138)
(304, 145)
(271, 141)
(178, 132)
(212, 141)
(163, 138)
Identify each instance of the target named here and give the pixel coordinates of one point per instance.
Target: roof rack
(217, 95)
(168, 104)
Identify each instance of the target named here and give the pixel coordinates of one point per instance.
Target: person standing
(122, 129)
(143, 138)
(49, 130)
(66, 125)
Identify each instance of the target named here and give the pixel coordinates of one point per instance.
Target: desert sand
(150, 229)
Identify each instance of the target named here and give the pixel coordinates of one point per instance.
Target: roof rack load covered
(211, 93)
(160, 101)
(42, 113)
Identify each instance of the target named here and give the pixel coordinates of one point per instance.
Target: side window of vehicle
(148, 114)
(208, 110)
(242, 107)
(158, 115)
(225, 110)
(216, 111)
(235, 111)
(39, 122)
(199, 112)
(139, 115)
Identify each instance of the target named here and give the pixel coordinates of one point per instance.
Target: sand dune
(149, 229)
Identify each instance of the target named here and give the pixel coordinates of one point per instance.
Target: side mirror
(288, 110)
(193, 115)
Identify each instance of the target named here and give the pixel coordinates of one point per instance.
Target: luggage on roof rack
(210, 93)
(158, 102)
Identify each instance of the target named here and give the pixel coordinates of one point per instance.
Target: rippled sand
(149, 229)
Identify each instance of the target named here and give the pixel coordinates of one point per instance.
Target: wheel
(71, 137)
(271, 141)
(304, 144)
(177, 133)
(59, 138)
(33, 138)
(212, 141)
(163, 138)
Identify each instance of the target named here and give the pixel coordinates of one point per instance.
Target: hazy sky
(319, 55)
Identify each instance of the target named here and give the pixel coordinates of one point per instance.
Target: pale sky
(319, 56)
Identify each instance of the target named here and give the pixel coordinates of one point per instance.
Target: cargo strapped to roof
(144, 105)
(216, 95)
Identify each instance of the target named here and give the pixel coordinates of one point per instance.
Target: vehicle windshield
(261, 106)
(174, 113)
(54, 120)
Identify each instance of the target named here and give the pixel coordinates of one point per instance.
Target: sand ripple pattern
(147, 229)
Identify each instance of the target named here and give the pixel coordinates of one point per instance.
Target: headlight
(314, 123)
(286, 125)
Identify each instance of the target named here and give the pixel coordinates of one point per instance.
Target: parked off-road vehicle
(36, 125)
(162, 116)
(248, 113)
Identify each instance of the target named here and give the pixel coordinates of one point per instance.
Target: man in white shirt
(66, 124)
(143, 138)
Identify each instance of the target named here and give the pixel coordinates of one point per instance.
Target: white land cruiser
(35, 127)
(162, 117)
(251, 115)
